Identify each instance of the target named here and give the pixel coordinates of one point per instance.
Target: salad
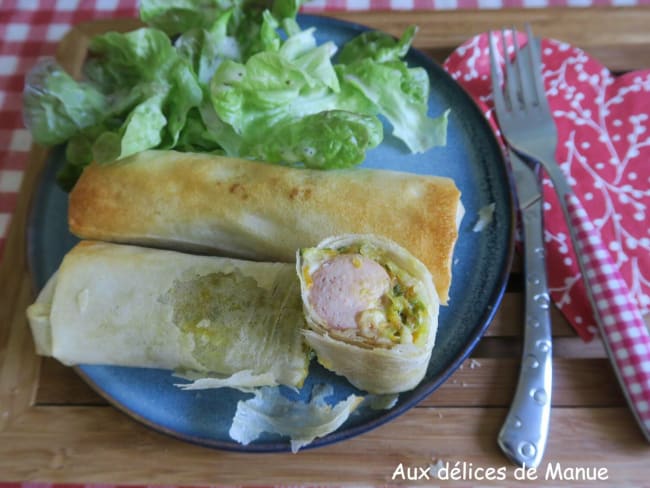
(233, 77)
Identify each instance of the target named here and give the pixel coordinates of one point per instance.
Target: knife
(525, 430)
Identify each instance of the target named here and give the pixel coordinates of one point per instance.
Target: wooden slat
(87, 444)
(61, 385)
(491, 382)
(18, 363)
(563, 347)
(508, 320)
(19, 372)
(618, 37)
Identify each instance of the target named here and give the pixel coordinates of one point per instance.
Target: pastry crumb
(485, 215)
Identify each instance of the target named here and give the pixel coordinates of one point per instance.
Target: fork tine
(535, 61)
(497, 93)
(511, 82)
(526, 72)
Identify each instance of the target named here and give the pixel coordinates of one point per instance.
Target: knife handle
(619, 320)
(525, 430)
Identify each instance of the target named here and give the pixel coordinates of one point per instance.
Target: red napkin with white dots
(603, 148)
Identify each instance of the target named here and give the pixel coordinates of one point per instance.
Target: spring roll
(221, 321)
(372, 311)
(261, 211)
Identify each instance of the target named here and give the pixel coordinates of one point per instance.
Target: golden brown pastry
(261, 211)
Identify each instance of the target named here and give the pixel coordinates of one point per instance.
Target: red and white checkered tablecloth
(30, 29)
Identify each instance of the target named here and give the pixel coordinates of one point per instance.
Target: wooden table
(54, 428)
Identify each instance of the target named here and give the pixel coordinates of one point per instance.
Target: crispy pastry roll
(261, 211)
(372, 311)
(223, 322)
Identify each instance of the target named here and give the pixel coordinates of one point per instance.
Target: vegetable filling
(358, 292)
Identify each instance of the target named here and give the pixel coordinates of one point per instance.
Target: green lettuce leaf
(313, 61)
(330, 139)
(196, 137)
(377, 46)
(287, 106)
(250, 24)
(184, 93)
(235, 77)
(137, 94)
(142, 130)
(124, 59)
(79, 154)
(205, 49)
(398, 96)
(178, 16)
(286, 9)
(56, 107)
(372, 62)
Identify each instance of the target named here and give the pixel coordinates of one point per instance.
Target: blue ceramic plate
(481, 266)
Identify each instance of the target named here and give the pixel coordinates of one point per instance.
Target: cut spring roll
(236, 323)
(261, 211)
(372, 311)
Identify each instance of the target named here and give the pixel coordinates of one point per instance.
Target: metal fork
(524, 432)
(527, 124)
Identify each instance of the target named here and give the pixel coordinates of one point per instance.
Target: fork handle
(622, 328)
(524, 433)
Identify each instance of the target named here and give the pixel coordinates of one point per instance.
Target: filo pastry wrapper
(222, 322)
(371, 309)
(262, 211)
